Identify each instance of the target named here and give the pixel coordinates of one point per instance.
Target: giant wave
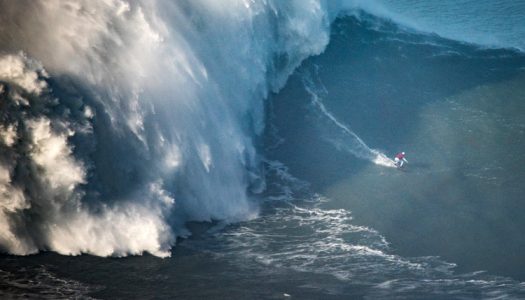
(122, 120)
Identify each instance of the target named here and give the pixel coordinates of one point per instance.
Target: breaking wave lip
(119, 124)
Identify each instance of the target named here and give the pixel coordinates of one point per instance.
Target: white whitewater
(122, 120)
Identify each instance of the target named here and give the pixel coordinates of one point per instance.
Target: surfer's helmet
(403, 153)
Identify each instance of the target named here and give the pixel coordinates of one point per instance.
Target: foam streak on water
(334, 131)
(303, 236)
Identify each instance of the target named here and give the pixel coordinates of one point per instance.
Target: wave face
(121, 120)
(334, 131)
(453, 107)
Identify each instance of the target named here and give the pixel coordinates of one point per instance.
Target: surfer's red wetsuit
(400, 155)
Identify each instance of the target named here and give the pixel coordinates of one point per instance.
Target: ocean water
(240, 149)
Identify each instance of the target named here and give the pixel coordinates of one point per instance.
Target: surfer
(400, 159)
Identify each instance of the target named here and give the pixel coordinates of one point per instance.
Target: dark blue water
(456, 109)
(333, 225)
